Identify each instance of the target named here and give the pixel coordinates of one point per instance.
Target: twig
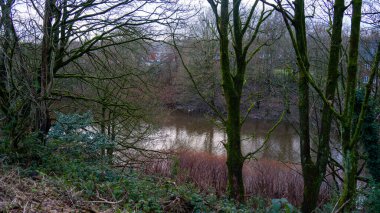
(26, 205)
(340, 208)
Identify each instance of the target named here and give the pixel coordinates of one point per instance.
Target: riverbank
(269, 109)
(72, 173)
(66, 184)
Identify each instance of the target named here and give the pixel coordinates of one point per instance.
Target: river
(179, 130)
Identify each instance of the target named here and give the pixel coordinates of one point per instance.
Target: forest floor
(72, 185)
(38, 193)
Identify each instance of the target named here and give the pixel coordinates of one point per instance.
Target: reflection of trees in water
(280, 145)
(209, 141)
(192, 124)
(198, 133)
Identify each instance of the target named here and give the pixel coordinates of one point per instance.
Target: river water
(180, 130)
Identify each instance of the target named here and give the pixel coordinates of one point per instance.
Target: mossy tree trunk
(309, 169)
(111, 135)
(314, 171)
(232, 93)
(349, 140)
(352, 130)
(6, 25)
(103, 129)
(233, 80)
(318, 170)
(235, 160)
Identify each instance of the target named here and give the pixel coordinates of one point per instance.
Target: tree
(313, 172)
(233, 78)
(116, 87)
(350, 129)
(71, 29)
(62, 26)
(15, 104)
(242, 27)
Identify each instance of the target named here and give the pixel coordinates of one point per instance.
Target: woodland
(88, 88)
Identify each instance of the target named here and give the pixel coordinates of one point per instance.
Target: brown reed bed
(264, 178)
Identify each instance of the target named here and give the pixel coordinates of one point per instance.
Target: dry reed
(264, 178)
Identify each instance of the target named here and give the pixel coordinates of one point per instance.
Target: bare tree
(240, 23)
(70, 30)
(296, 25)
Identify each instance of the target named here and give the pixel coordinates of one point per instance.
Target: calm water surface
(188, 131)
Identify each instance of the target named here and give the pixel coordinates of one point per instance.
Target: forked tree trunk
(232, 91)
(233, 80)
(349, 140)
(314, 172)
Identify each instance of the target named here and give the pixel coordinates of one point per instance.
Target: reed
(264, 178)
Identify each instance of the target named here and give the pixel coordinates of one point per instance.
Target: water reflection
(187, 131)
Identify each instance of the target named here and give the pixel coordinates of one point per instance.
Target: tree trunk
(312, 183)
(111, 136)
(232, 91)
(9, 44)
(233, 81)
(45, 77)
(4, 57)
(235, 160)
(349, 142)
(350, 166)
(103, 130)
(311, 175)
(331, 85)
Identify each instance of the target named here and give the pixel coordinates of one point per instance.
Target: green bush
(281, 205)
(372, 203)
(78, 135)
(370, 138)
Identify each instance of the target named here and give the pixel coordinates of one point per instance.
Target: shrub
(372, 203)
(265, 178)
(78, 136)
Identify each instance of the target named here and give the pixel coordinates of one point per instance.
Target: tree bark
(349, 143)
(313, 172)
(235, 186)
(235, 161)
(312, 184)
(310, 172)
(232, 89)
(42, 116)
(9, 43)
(331, 85)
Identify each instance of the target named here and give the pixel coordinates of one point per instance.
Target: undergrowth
(96, 185)
(69, 174)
